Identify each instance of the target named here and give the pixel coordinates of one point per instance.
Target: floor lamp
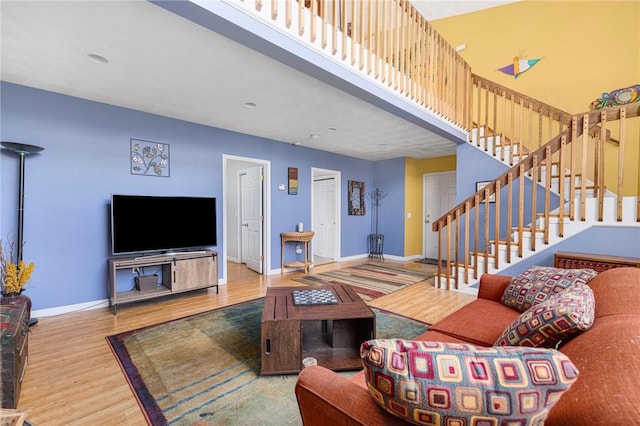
(22, 150)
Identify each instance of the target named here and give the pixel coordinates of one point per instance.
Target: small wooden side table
(296, 237)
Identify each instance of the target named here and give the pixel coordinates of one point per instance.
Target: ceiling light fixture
(96, 58)
(250, 104)
(314, 136)
(332, 129)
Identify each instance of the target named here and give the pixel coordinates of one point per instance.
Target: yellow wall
(587, 48)
(414, 172)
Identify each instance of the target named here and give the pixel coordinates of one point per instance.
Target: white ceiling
(164, 64)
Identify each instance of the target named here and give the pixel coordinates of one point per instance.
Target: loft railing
(386, 40)
(391, 43)
(583, 157)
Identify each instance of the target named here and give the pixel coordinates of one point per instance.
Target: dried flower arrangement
(13, 276)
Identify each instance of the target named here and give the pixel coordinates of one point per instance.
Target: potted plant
(13, 275)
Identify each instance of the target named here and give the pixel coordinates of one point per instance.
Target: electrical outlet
(135, 271)
(298, 249)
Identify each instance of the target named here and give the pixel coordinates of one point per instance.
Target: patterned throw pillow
(539, 282)
(431, 383)
(547, 323)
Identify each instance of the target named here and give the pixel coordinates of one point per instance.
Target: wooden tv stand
(180, 272)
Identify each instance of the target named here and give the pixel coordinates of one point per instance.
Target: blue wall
(614, 241)
(86, 158)
(475, 166)
(390, 178)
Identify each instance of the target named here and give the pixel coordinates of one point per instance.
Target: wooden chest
(14, 328)
(597, 262)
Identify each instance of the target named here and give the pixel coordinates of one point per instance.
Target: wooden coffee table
(332, 334)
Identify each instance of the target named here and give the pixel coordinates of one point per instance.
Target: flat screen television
(143, 224)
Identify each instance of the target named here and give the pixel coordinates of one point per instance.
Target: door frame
(337, 176)
(427, 226)
(266, 227)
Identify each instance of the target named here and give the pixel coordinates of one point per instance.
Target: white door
(439, 197)
(251, 217)
(325, 213)
(324, 217)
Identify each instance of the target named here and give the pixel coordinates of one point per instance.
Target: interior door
(324, 215)
(439, 197)
(251, 217)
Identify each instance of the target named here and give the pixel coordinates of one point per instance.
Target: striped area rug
(370, 280)
(204, 370)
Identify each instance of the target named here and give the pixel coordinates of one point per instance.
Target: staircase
(569, 173)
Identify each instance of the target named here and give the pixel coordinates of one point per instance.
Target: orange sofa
(607, 391)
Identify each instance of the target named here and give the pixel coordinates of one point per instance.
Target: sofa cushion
(534, 285)
(471, 324)
(448, 383)
(548, 323)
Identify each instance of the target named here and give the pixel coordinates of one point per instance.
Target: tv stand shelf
(180, 272)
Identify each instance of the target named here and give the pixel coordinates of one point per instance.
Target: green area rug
(370, 280)
(205, 369)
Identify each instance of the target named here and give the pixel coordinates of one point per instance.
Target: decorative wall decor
(518, 66)
(293, 181)
(618, 97)
(356, 198)
(149, 158)
(480, 185)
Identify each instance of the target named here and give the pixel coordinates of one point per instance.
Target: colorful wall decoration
(618, 97)
(518, 66)
(149, 158)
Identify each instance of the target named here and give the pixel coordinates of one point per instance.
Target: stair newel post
(476, 227)
(448, 273)
(466, 242)
(623, 116)
(601, 188)
(583, 180)
(562, 177)
(439, 253)
(457, 246)
(521, 210)
(509, 213)
(487, 215)
(496, 253)
(547, 192)
(574, 154)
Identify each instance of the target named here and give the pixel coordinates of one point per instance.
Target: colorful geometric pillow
(432, 383)
(548, 323)
(539, 282)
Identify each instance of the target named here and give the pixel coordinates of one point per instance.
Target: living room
(87, 145)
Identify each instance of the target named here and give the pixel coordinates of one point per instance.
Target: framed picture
(356, 198)
(293, 181)
(482, 184)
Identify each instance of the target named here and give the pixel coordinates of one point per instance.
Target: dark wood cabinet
(14, 341)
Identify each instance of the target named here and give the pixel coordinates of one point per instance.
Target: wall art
(618, 97)
(480, 185)
(518, 66)
(149, 158)
(293, 181)
(356, 198)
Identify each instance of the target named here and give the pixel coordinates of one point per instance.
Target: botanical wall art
(618, 97)
(149, 158)
(356, 198)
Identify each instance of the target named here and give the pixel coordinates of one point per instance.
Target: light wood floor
(73, 378)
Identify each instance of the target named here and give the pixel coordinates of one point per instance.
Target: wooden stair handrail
(526, 164)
